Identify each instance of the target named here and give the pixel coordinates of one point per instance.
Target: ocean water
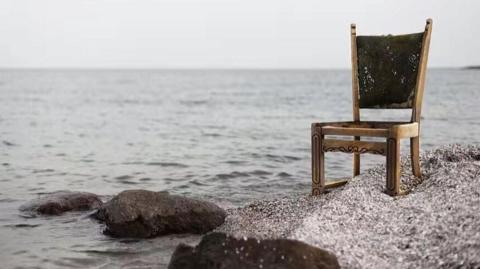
(228, 136)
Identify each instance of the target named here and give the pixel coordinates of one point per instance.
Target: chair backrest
(389, 71)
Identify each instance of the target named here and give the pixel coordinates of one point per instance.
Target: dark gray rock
(219, 251)
(59, 202)
(144, 214)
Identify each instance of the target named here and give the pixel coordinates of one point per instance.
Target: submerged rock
(219, 251)
(59, 202)
(144, 214)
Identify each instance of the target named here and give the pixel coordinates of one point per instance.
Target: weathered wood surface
(361, 147)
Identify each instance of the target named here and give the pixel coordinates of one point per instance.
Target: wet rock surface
(219, 251)
(59, 202)
(145, 214)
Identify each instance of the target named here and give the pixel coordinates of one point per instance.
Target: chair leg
(393, 166)
(415, 156)
(356, 161)
(318, 169)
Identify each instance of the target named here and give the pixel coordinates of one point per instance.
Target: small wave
(80, 174)
(47, 170)
(124, 177)
(293, 158)
(197, 183)
(22, 225)
(168, 164)
(283, 159)
(145, 179)
(275, 158)
(7, 143)
(211, 135)
(284, 174)
(111, 252)
(236, 162)
(36, 189)
(20, 252)
(260, 173)
(233, 174)
(128, 182)
(130, 240)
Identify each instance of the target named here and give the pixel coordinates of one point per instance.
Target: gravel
(437, 225)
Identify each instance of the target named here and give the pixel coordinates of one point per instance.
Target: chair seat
(370, 128)
(355, 131)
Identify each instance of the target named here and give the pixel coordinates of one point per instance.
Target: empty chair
(388, 72)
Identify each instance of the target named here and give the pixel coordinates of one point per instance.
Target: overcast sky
(223, 33)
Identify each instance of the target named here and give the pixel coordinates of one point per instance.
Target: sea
(226, 136)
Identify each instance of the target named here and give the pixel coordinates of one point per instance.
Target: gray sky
(223, 33)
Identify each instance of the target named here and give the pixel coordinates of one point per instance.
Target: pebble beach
(436, 225)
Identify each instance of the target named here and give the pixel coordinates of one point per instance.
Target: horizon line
(207, 68)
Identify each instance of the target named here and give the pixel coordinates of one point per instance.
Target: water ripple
(168, 164)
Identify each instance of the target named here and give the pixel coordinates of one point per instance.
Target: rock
(59, 202)
(145, 214)
(219, 251)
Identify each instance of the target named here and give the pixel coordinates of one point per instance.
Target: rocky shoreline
(437, 225)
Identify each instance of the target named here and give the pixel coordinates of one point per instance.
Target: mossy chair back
(388, 72)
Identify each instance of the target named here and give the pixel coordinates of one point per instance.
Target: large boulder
(59, 202)
(219, 251)
(144, 214)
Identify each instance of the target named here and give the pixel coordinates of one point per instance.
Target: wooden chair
(387, 72)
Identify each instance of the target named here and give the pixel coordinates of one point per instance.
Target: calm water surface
(226, 136)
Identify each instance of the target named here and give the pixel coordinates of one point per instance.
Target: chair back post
(355, 93)
(420, 83)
